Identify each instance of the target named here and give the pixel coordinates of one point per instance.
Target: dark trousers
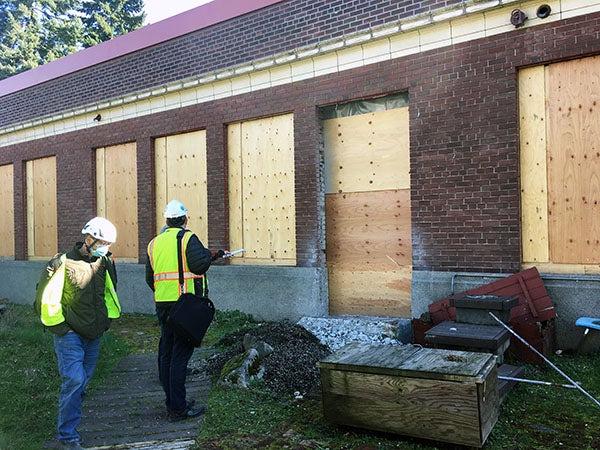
(173, 356)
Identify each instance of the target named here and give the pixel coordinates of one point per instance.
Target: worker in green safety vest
(162, 276)
(76, 300)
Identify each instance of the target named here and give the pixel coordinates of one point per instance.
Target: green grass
(546, 417)
(532, 417)
(29, 380)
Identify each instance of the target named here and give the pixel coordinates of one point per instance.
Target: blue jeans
(77, 359)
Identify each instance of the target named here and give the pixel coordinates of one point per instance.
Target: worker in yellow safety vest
(162, 275)
(76, 300)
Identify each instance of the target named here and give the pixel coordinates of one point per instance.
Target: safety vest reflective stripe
(163, 276)
(162, 253)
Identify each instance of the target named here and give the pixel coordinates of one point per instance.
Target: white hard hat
(175, 209)
(102, 229)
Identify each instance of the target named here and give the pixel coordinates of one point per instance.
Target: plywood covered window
(42, 239)
(180, 162)
(367, 208)
(7, 218)
(262, 212)
(559, 109)
(116, 195)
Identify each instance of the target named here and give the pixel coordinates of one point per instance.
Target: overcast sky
(157, 10)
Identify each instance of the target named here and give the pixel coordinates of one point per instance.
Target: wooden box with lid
(436, 394)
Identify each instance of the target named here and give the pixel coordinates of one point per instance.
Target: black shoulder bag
(191, 315)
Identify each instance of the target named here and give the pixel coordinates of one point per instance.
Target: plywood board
(267, 190)
(160, 168)
(100, 182)
(30, 209)
(42, 239)
(7, 218)
(236, 218)
(573, 110)
(187, 178)
(374, 293)
(369, 230)
(534, 190)
(434, 409)
(367, 152)
(122, 198)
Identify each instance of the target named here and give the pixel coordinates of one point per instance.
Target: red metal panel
(535, 306)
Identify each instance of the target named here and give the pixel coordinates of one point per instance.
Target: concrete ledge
(268, 293)
(573, 296)
(19, 279)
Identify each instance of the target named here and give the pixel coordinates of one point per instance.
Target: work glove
(218, 254)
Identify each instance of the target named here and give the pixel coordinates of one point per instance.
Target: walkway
(129, 412)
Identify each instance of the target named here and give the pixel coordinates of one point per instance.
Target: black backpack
(191, 315)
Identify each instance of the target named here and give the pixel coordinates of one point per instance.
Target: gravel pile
(291, 368)
(337, 332)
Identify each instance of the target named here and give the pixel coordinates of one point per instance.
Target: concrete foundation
(278, 293)
(268, 293)
(573, 296)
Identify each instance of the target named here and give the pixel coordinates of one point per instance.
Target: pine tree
(34, 32)
(105, 19)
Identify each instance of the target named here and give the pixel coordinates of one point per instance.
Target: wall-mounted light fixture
(518, 18)
(543, 11)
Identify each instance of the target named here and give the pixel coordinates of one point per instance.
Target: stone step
(337, 331)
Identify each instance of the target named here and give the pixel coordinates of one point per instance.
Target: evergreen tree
(34, 32)
(105, 19)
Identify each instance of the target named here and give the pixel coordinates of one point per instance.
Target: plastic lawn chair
(589, 323)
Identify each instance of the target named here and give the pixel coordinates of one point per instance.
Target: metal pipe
(472, 275)
(544, 383)
(548, 276)
(543, 276)
(550, 363)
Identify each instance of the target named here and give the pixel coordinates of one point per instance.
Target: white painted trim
(467, 22)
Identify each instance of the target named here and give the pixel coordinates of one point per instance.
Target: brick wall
(464, 147)
(284, 26)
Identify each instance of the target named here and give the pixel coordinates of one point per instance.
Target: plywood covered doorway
(116, 195)
(367, 210)
(180, 162)
(559, 109)
(42, 238)
(262, 205)
(7, 218)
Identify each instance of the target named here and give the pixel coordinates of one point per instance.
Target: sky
(157, 10)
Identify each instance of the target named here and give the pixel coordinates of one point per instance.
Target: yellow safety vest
(162, 252)
(51, 306)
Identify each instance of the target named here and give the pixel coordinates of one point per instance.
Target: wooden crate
(443, 395)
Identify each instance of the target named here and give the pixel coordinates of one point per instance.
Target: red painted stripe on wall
(195, 19)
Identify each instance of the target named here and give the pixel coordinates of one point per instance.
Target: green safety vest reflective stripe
(162, 252)
(51, 307)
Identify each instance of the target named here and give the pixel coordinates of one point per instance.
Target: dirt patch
(292, 367)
